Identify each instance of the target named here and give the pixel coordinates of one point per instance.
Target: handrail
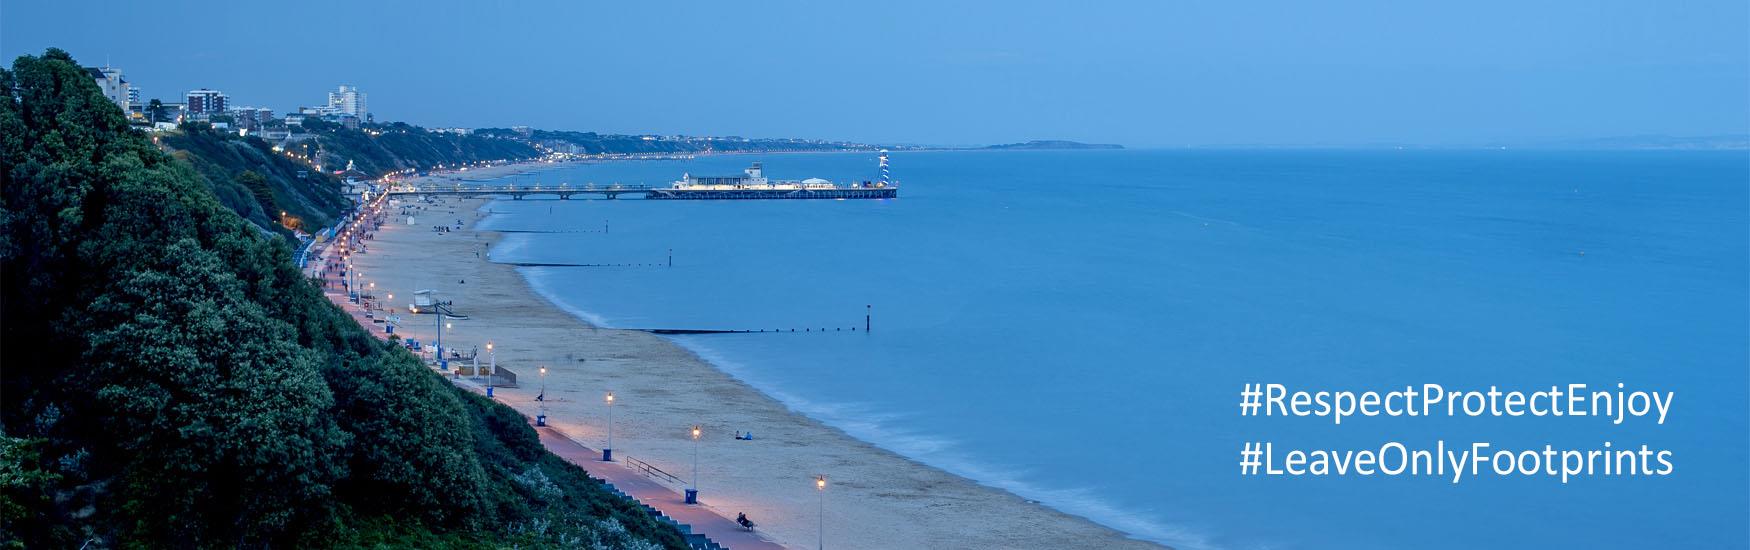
(652, 471)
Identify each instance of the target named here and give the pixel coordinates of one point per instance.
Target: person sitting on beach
(741, 518)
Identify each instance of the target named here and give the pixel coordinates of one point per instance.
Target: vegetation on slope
(383, 148)
(171, 380)
(253, 180)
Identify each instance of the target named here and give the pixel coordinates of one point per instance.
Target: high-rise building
(347, 100)
(204, 102)
(109, 79)
(252, 118)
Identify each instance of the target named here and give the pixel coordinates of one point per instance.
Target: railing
(302, 257)
(653, 472)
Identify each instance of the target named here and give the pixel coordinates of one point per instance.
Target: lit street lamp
(608, 451)
(541, 418)
(820, 487)
(493, 366)
(693, 492)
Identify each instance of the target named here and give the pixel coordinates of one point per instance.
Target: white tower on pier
(886, 180)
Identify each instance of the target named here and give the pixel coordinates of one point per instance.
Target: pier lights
(608, 450)
(541, 418)
(820, 487)
(693, 491)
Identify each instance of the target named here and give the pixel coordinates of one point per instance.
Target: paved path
(700, 518)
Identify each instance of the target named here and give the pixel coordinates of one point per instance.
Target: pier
(751, 184)
(517, 192)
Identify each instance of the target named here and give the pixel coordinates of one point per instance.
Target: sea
(1077, 327)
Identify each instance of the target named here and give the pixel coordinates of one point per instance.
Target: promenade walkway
(701, 519)
(693, 520)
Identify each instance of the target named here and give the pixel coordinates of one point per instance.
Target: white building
(109, 79)
(347, 100)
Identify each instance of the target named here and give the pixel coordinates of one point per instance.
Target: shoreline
(662, 388)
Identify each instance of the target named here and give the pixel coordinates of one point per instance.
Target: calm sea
(1076, 326)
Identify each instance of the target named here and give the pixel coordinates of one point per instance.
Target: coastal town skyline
(1010, 78)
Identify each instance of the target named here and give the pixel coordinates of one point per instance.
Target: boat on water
(753, 184)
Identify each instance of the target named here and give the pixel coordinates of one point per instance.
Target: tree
(155, 110)
(257, 186)
(187, 387)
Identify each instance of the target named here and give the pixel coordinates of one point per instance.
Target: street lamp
(493, 366)
(541, 418)
(608, 451)
(820, 487)
(693, 492)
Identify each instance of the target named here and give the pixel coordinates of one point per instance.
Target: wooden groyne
(741, 331)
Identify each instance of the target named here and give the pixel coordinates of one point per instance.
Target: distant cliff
(592, 143)
(1055, 144)
(378, 149)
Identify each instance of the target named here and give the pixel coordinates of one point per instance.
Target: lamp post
(693, 491)
(820, 487)
(492, 367)
(608, 451)
(541, 418)
(437, 321)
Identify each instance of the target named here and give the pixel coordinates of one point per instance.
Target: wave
(538, 279)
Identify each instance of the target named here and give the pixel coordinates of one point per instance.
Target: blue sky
(1139, 73)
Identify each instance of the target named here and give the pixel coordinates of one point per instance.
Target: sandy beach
(874, 499)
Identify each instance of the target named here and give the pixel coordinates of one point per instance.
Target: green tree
(187, 387)
(257, 186)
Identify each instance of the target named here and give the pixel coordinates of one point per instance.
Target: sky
(1139, 73)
